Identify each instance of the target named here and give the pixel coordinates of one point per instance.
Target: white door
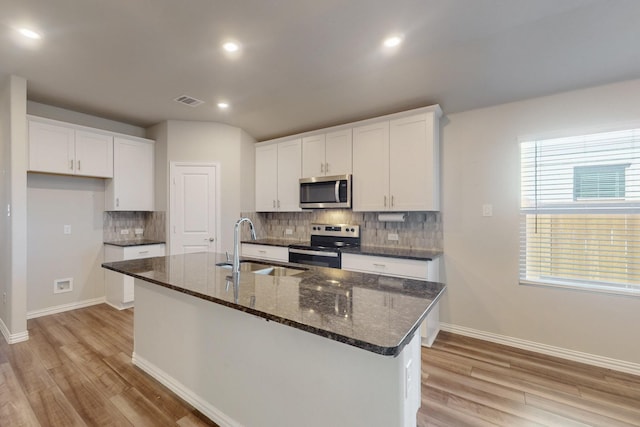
(194, 208)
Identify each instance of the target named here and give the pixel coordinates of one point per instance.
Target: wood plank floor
(76, 370)
(469, 382)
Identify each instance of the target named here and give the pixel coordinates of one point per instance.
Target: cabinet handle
(117, 202)
(385, 201)
(71, 164)
(143, 252)
(392, 201)
(322, 167)
(278, 204)
(380, 265)
(262, 252)
(274, 203)
(326, 167)
(78, 164)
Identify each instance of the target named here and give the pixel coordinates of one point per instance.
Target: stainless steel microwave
(325, 192)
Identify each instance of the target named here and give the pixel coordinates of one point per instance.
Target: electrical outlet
(124, 231)
(288, 231)
(67, 229)
(393, 236)
(487, 210)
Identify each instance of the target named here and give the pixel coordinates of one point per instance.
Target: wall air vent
(188, 100)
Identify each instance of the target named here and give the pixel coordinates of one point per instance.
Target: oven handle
(318, 253)
(337, 191)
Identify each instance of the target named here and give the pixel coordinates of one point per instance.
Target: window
(599, 182)
(580, 211)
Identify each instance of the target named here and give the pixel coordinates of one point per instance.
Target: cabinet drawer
(144, 251)
(274, 253)
(399, 267)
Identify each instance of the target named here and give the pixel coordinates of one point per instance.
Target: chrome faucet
(236, 244)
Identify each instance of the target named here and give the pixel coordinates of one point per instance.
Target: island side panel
(241, 370)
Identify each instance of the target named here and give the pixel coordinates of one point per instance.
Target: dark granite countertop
(276, 242)
(394, 252)
(385, 251)
(133, 242)
(376, 313)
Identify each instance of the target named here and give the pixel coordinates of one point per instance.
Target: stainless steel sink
(279, 271)
(265, 269)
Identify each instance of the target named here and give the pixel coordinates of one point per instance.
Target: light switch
(487, 210)
(67, 229)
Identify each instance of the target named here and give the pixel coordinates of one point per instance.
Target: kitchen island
(313, 346)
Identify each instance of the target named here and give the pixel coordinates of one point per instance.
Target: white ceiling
(307, 64)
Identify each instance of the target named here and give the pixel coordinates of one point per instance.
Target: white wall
(232, 148)
(82, 119)
(481, 165)
(13, 227)
(55, 201)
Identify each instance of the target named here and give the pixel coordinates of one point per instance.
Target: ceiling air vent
(187, 100)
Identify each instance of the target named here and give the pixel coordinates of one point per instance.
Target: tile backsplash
(152, 223)
(420, 230)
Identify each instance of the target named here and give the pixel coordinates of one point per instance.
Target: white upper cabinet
(131, 188)
(63, 149)
(371, 167)
(396, 164)
(414, 163)
(278, 171)
(94, 154)
(327, 154)
(267, 178)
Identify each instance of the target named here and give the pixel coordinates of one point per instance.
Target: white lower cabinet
(405, 268)
(266, 252)
(118, 287)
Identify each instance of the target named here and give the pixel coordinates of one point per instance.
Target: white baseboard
(64, 307)
(12, 338)
(185, 393)
(563, 353)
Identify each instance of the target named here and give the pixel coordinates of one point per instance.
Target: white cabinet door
(94, 154)
(338, 157)
(271, 253)
(371, 167)
(289, 171)
(413, 164)
(327, 154)
(267, 178)
(131, 188)
(51, 148)
(313, 156)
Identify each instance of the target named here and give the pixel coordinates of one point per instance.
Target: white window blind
(580, 211)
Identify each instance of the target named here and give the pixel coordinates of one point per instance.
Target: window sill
(633, 292)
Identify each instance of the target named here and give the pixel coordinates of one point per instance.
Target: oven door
(315, 257)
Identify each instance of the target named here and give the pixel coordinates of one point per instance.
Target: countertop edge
(130, 243)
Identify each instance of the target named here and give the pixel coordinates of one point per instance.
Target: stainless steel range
(327, 240)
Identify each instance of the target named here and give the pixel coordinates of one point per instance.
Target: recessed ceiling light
(29, 33)
(231, 46)
(392, 41)
(223, 105)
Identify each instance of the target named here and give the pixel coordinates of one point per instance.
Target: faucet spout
(236, 243)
